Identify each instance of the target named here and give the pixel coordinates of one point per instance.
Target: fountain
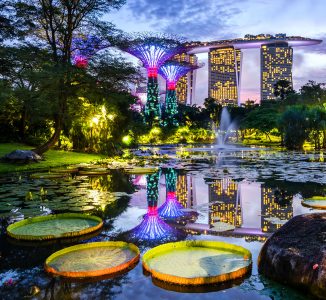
(225, 130)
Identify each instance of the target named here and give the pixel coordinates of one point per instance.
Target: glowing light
(156, 130)
(95, 120)
(80, 61)
(127, 139)
(111, 117)
(171, 208)
(172, 71)
(103, 109)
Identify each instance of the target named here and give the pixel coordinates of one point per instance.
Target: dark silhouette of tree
(51, 25)
(282, 88)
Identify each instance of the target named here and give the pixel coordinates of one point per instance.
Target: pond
(236, 196)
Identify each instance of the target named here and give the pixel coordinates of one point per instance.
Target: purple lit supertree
(171, 208)
(153, 49)
(172, 71)
(83, 47)
(152, 228)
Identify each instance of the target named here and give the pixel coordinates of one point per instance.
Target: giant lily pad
(48, 175)
(54, 227)
(318, 202)
(139, 170)
(197, 262)
(93, 259)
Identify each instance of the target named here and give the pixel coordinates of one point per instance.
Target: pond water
(239, 197)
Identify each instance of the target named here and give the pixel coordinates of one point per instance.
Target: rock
(22, 156)
(296, 254)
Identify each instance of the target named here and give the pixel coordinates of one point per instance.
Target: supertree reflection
(152, 228)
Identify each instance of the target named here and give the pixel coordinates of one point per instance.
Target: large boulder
(296, 254)
(22, 156)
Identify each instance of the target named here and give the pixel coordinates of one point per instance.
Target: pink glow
(171, 85)
(81, 61)
(171, 195)
(152, 211)
(152, 72)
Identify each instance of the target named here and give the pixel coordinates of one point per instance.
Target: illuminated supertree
(171, 208)
(172, 71)
(153, 229)
(153, 49)
(84, 47)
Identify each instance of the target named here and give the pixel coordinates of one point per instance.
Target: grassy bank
(53, 158)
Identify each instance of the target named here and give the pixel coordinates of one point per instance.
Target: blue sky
(207, 20)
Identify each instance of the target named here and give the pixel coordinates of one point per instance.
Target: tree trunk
(52, 141)
(22, 124)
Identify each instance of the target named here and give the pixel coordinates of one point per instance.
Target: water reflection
(152, 228)
(171, 208)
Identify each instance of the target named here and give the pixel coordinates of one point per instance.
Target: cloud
(320, 48)
(197, 20)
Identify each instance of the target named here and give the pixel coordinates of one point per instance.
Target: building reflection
(276, 207)
(251, 207)
(226, 207)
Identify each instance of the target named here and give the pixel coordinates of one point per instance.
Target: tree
(19, 68)
(212, 109)
(313, 93)
(52, 25)
(316, 117)
(282, 88)
(261, 119)
(294, 123)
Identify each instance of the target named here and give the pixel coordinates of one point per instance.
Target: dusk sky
(208, 20)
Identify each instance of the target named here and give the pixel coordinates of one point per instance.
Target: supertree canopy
(153, 49)
(172, 71)
(84, 47)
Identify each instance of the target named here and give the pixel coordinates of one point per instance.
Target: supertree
(172, 71)
(152, 228)
(153, 49)
(84, 47)
(171, 208)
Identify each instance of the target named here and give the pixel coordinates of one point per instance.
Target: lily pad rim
(173, 279)
(68, 234)
(96, 273)
(306, 204)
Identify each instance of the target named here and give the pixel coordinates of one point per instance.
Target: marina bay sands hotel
(225, 65)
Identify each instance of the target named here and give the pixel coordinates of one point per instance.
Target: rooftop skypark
(172, 71)
(153, 50)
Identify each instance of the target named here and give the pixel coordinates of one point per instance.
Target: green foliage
(53, 158)
(181, 134)
(294, 124)
(261, 119)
